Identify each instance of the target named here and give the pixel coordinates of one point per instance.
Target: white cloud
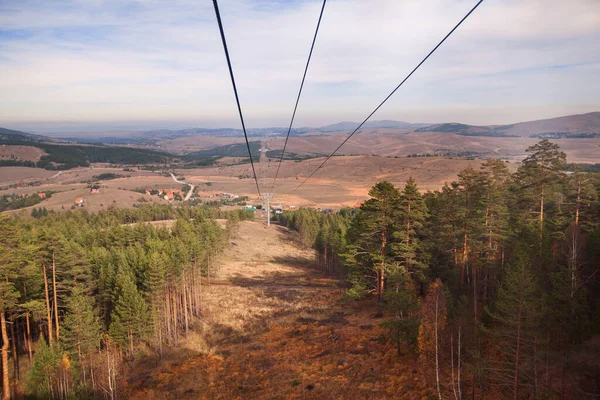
(133, 60)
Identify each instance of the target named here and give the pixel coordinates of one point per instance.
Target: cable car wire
(237, 99)
(390, 95)
(299, 94)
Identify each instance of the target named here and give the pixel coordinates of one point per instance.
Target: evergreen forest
(491, 282)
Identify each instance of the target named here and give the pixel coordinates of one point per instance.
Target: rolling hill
(61, 156)
(10, 135)
(571, 126)
(347, 125)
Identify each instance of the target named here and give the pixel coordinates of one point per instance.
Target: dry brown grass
(274, 328)
(25, 153)
(390, 142)
(14, 174)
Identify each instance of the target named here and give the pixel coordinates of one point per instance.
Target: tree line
(492, 280)
(82, 295)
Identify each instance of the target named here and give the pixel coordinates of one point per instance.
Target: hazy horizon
(61, 129)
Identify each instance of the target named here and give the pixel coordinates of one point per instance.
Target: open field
(15, 174)
(272, 327)
(195, 143)
(382, 142)
(25, 153)
(94, 202)
(343, 181)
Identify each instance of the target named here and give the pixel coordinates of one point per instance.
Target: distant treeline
(15, 202)
(292, 156)
(17, 163)
(63, 157)
(107, 176)
(583, 167)
(230, 150)
(564, 135)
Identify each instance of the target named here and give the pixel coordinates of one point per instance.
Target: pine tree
(8, 293)
(372, 232)
(82, 329)
(130, 318)
(401, 301)
(496, 201)
(407, 247)
(516, 321)
(538, 176)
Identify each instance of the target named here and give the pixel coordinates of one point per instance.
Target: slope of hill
(60, 156)
(463, 130)
(7, 136)
(582, 125)
(230, 150)
(571, 126)
(348, 125)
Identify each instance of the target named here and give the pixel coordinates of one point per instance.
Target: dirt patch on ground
(15, 174)
(24, 153)
(273, 327)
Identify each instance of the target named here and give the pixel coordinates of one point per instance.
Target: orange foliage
(341, 357)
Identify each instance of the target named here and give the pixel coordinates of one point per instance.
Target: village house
(79, 201)
(95, 190)
(42, 195)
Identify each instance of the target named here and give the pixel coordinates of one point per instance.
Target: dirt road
(273, 328)
(190, 192)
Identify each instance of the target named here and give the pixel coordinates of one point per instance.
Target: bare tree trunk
(474, 292)
(577, 203)
(381, 275)
(194, 289)
(452, 365)
(541, 217)
(5, 381)
(208, 268)
(518, 355)
(15, 354)
(185, 307)
(437, 363)
(28, 341)
(167, 314)
(48, 313)
(111, 389)
(459, 362)
(55, 296)
(465, 255)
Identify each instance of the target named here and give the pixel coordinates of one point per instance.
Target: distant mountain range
(8, 135)
(348, 126)
(571, 126)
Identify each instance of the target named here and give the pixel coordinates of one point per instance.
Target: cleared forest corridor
(273, 327)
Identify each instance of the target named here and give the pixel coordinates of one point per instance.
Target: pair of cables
(302, 85)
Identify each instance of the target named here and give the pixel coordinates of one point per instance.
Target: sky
(117, 64)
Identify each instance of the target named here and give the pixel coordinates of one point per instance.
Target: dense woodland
(491, 282)
(82, 295)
